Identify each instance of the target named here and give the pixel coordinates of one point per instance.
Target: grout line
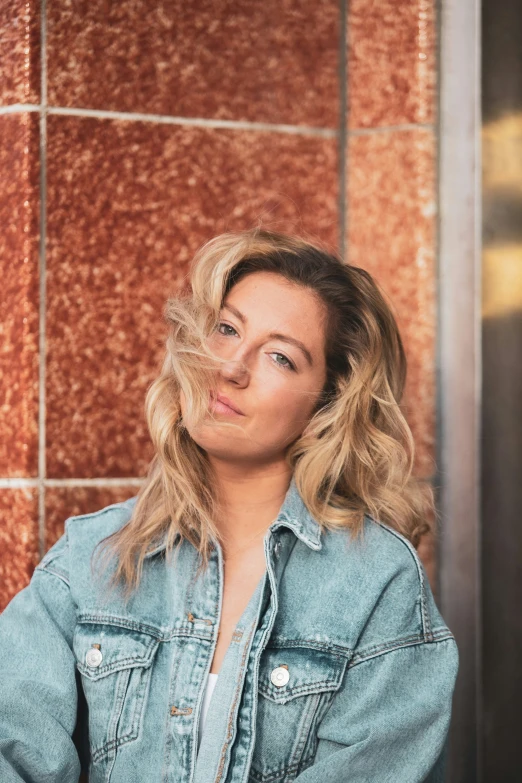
(126, 481)
(438, 300)
(303, 130)
(42, 304)
(200, 122)
(391, 128)
(196, 121)
(20, 483)
(18, 108)
(343, 111)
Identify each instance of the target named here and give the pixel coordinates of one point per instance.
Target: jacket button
(280, 676)
(277, 548)
(93, 658)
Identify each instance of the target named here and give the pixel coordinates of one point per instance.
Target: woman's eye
(227, 326)
(285, 363)
(288, 363)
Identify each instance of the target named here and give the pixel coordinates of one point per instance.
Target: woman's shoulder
(378, 549)
(382, 572)
(91, 528)
(82, 533)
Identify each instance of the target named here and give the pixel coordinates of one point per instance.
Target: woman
(270, 555)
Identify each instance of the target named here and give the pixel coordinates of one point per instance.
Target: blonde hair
(355, 456)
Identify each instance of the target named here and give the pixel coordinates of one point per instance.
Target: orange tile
(18, 540)
(391, 233)
(19, 303)
(20, 48)
(391, 62)
(64, 502)
(128, 205)
(221, 59)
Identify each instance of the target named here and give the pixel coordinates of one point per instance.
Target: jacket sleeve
(390, 721)
(38, 691)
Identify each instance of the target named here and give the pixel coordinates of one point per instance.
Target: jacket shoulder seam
(427, 631)
(51, 561)
(47, 569)
(440, 635)
(98, 513)
(70, 522)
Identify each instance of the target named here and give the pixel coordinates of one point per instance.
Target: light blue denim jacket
(368, 665)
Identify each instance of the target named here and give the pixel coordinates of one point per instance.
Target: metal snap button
(93, 657)
(280, 676)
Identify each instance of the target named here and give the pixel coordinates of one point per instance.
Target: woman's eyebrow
(275, 335)
(236, 312)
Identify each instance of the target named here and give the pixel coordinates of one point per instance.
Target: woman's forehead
(272, 291)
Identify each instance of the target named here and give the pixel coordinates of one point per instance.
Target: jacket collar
(293, 514)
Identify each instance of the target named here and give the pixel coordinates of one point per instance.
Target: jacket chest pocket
(116, 666)
(296, 687)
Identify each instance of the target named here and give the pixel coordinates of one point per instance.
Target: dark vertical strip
(501, 390)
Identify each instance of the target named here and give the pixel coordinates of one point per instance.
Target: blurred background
(390, 131)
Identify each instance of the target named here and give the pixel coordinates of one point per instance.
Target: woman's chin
(218, 441)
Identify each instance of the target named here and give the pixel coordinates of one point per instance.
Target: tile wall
(132, 132)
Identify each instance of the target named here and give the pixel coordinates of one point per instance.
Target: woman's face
(272, 335)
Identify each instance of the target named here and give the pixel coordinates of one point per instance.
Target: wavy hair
(354, 457)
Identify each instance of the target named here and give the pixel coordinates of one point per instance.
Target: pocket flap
(309, 671)
(101, 649)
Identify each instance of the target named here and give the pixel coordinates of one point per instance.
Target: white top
(209, 689)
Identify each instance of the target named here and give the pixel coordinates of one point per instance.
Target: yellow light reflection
(501, 280)
(502, 200)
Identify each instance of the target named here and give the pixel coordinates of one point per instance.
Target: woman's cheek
(282, 422)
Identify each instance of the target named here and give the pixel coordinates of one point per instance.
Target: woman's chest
(240, 582)
(144, 686)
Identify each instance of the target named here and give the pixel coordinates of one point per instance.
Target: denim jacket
(341, 671)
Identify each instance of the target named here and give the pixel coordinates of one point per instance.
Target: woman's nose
(235, 370)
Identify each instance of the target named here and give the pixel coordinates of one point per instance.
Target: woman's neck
(249, 502)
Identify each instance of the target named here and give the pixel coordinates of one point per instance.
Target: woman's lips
(220, 404)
